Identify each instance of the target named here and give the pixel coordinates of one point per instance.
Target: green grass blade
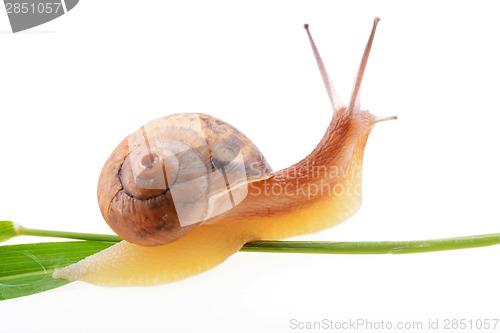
(27, 269)
(383, 247)
(8, 229)
(22, 231)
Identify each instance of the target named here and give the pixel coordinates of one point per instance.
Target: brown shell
(149, 215)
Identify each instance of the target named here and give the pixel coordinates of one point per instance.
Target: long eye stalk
(332, 93)
(354, 104)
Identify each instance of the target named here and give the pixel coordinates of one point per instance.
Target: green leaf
(8, 229)
(27, 269)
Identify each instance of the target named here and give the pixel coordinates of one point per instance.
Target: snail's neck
(330, 170)
(331, 153)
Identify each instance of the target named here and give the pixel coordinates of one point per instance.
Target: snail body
(233, 196)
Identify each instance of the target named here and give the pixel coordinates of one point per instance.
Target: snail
(187, 191)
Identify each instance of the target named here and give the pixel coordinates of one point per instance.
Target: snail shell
(175, 173)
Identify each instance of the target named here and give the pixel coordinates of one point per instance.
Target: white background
(72, 89)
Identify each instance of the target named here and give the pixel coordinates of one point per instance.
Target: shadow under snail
(189, 190)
